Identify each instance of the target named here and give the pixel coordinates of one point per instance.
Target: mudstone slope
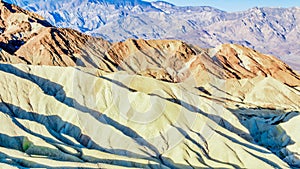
(71, 100)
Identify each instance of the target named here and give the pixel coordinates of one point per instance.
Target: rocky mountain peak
(244, 62)
(67, 99)
(168, 60)
(260, 28)
(23, 30)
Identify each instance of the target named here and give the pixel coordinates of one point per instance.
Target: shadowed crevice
(217, 119)
(241, 143)
(204, 151)
(264, 126)
(56, 90)
(265, 160)
(56, 127)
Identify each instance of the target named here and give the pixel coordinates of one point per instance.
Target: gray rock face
(231, 107)
(269, 30)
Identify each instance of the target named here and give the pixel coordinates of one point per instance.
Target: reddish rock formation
(27, 38)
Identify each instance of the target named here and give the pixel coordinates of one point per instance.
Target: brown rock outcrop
(27, 38)
(244, 62)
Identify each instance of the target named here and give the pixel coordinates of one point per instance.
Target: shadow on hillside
(12, 142)
(26, 163)
(56, 126)
(11, 46)
(263, 125)
(219, 120)
(203, 149)
(56, 90)
(22, 162)
(52, 123)
(23, 144)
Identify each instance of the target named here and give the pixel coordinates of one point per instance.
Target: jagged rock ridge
(269, 30)
(168, 60)
(71, 100)
(23, 30)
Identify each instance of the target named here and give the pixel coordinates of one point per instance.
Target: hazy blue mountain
(70, 100)
(269, 30)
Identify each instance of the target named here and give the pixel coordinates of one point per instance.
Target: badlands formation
(69, 100)
(272, 30)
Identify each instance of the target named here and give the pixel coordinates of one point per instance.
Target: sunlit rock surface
(91, 119)
(69, 100)
(268, 29)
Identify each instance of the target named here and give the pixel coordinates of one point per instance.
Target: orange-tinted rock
(248, 63)
(27, 38)
(161, 59)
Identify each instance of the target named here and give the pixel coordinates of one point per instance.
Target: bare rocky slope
(69, 100)
(269, 30)
(28, 38)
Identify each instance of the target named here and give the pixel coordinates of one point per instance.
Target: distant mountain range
(269, 30)
(70, 100)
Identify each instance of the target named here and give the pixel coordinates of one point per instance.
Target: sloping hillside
(69, 100)
(84, 119)
(269, 30)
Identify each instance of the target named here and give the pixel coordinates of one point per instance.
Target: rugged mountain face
(23, 30)
(83, 118)
(168, 60)
(269, 30)
(69, 100)
(177, 61)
